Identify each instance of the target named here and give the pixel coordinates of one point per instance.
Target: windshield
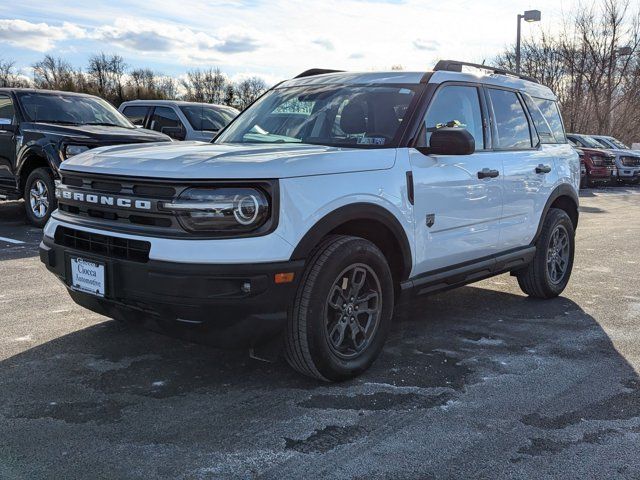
(617, 143)
(208, 118)
(351, 116)
(71, 110)
(589, 142)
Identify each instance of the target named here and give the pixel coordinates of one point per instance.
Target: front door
(7, 143)
(458, 198)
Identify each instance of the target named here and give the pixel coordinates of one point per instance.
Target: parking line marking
(11, 240)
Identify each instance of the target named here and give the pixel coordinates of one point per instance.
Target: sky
(275, 39)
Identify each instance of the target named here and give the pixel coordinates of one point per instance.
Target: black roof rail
(316, 71)
(456, 66)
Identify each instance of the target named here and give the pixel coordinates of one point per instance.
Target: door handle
(488, 173)
(543, 168)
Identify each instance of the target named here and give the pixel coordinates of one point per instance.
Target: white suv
(320, 206)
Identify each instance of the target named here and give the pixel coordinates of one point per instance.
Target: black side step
(468, 272)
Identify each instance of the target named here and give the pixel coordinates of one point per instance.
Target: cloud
(37, 36)
(356, 56)
(323, 42)
(238, 44)
(428, 45)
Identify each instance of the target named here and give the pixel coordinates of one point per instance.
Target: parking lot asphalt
(479, 382)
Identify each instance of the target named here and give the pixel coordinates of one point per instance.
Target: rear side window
(136, 114)
(454, 106)
(550, 112)
(542, 125)
(7, 113)
(511, 124)
(164, 117)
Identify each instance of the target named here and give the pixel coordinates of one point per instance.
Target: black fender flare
(348, 213)
(564, 190)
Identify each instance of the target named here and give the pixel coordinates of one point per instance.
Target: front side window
(350, 116)
(7, 112)
(454, 106)
(549, 109)
(136, 114)
(511, 124)
(71, 110)
(165, 120)
(206, 118)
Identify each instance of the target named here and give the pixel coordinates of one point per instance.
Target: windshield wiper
(59, 122)
(104, 124)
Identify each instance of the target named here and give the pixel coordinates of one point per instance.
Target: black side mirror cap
(451, 141)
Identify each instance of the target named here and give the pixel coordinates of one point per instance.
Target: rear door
(457, 207)
(528, 167)
(137, 114)
(7, 142)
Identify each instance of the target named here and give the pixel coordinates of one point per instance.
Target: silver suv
(179, 120)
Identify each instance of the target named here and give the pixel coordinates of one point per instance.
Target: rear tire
(548, 273)
(39, 196)
(342, 311)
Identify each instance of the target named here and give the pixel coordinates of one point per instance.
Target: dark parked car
(39, 129)
(599, 164)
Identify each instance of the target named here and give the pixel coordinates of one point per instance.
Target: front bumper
(229, 304)
(628, 173)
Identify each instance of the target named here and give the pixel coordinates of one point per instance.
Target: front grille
(104, 245)
(630, 161)
(607, 161)
(155, 219)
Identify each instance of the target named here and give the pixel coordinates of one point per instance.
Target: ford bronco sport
(395, 184)
(39, 129)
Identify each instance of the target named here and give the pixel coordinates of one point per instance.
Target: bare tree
(8, 75)
(598, 88)
(248, 90)
(53, 73)
(205, 85)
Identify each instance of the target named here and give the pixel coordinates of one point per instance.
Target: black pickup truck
(39, 129)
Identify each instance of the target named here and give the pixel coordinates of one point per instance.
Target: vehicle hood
(94, 134)
(197, 160)
(596, 151)
(625, 152)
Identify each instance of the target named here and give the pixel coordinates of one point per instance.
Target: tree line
(593, 65)
(110, 77)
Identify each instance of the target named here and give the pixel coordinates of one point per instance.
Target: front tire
(548, 273)
(39, 196)
(342, 311)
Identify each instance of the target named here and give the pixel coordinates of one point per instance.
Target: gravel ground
(480, 382)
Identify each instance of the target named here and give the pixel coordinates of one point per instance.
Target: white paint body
(474, 217)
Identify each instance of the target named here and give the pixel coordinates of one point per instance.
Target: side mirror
(8, 127)
(176, 133)
(452, 141)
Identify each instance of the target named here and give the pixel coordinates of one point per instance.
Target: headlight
(225, 209)
(597, 161)
(71, 150)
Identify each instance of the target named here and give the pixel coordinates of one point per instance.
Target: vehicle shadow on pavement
(13, 225)
(469, 379)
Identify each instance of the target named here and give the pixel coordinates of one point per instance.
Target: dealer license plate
(87, 276)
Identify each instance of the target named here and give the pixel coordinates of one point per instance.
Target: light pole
(529, 16)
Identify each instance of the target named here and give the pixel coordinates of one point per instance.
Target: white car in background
(179, 120)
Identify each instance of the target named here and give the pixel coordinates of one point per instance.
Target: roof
(42, 91)
(175, 102)
(415, 78)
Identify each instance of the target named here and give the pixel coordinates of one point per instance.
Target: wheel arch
(28, 161)
(369, 221)
(563, 197)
